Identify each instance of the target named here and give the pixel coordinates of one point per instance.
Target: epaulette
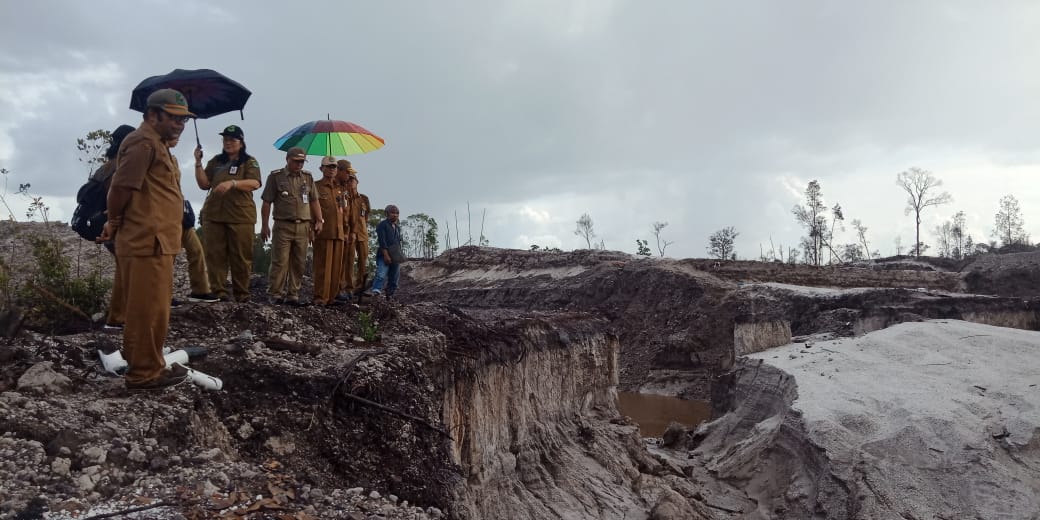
(278, 171)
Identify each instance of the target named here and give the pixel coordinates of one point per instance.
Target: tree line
(922, 190)
(822, 222)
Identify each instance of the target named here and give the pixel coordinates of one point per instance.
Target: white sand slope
(938, 419)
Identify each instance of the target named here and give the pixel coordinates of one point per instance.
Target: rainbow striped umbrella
(330, 137)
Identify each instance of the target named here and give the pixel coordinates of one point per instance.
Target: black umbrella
(209, 92)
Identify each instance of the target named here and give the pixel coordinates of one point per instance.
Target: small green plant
(641, 248)
(367, 325)
(5, 285)
(261, 256)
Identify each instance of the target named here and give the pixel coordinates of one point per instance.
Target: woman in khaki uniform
(328, 243)
(229, 214)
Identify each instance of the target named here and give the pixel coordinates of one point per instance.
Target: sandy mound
(937, 419)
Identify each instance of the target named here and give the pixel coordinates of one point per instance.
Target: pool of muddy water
(653, 412)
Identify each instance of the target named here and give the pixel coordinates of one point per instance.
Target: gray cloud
(700, 115)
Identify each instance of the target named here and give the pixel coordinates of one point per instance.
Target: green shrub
(56, 300)
(261, 256)
(367, 327)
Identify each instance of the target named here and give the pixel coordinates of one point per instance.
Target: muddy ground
(314, 422)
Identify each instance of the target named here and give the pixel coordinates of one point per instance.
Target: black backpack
(189, 216)
(89, 218)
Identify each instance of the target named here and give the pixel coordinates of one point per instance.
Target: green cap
(169, 101)
(233, 131)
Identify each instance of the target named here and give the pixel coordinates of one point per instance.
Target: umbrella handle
(195, 123)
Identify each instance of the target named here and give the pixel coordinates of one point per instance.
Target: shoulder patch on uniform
(253, 163)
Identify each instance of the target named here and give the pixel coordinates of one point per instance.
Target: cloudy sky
(699, 114)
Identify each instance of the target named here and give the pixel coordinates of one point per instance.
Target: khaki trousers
(288, 258)
(328, 266)
(229, 247)
(149, 287)
(356, 253)
(117, 303)
(196, 261)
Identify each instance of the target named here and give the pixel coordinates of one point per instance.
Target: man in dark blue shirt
(389, 255)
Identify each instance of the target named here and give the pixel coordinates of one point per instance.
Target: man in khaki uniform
(356, 219)
(145, 211)
(328, 244)
(290, 191)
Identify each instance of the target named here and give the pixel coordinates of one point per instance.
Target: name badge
(233, 170)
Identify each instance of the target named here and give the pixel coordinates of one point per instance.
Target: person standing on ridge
(288, 194)
(328, 244)
(390, 255)
(145, 213)
(117, 302)
(229, 213)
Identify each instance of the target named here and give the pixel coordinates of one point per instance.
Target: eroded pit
(492, 393)
(653, 413)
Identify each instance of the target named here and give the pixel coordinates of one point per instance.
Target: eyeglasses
(298, 161)
(329, 166)
(178, 119)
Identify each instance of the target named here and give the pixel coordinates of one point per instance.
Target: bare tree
(945, 243)
(861, 233)
(661, 244)
(957, 234)
(483, 241)
(792, 255)
(813, 217)
(838, 216)
(1008, 223)
(969, 246)
(920, 186)
(720, 243)
(584, 229)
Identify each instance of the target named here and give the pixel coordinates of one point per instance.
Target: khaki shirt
(356, 216)
(329, 198)
(234, 206)
(153, 216)
(290, 194)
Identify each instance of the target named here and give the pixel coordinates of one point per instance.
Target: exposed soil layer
(676, 319)
(489, 392)
(1014, 274)
(903, 274)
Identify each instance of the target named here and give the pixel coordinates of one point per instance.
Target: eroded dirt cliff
(489, 393)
